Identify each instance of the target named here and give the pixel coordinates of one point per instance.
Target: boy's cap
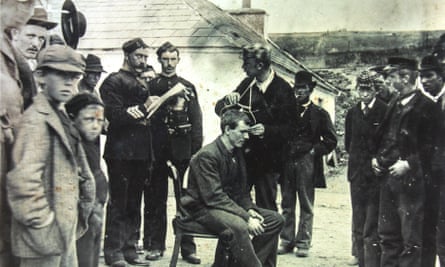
(79, 102)
(133, 44)
(62, 58)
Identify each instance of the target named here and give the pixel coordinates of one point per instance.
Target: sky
(360, 15)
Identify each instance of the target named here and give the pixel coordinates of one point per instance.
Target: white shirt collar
(405, 100)
(370, 105)
(264, 84)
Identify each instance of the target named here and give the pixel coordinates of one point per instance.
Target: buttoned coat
(324, 139)
(47, 177)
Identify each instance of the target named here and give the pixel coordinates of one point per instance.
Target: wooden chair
(183, 226)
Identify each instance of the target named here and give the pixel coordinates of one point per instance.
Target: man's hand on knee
(255, 227)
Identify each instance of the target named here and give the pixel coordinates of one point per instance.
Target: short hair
(167, 46)
(261, 53)
(232, 117)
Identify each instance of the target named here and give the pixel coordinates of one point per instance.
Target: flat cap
(133, 44)
(366, 79)
(403, 63)
(303, 78)
(79, 102)
(62, 58)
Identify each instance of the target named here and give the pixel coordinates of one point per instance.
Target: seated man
(217, 197)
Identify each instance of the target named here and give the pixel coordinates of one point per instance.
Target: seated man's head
(366, 88)
(235, 126)
(30, 38)
(59, 69)
(303, 86)
(431, 75)
(256, 59)
(87, 112)
(405, 74)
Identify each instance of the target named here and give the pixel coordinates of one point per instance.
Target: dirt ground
(331, 244)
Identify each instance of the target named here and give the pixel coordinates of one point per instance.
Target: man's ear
(15, 34)
(226, 129)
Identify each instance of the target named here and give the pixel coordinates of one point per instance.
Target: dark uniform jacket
(415, 136)
(271, 109)
(185, 124)
(127, 138)
(212, 185)
(324, 139)
(360, 132)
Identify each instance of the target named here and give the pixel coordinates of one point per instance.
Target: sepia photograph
(238, 133)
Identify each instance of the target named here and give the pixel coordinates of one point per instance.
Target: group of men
(395, 167)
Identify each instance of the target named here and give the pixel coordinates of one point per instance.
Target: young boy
(87, 112)
(51, 189)
(361, 124)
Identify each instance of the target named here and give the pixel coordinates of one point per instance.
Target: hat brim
(311, 84)
(63, 67)
(42, 23)
(94, 70)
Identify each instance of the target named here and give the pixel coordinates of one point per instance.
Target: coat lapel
(53, 120)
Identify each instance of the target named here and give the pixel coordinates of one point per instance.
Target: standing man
(361, 125)
(51, 189)
(403, 157)
(177, 135)
(128, 153)
(29, 39)
(14, 14)
(432, 79)
(91, 77)
(217, 196)
(269, 100)
(310, 135)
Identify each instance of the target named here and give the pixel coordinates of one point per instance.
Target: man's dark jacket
(272, 110)
(210, 185)
(175, 147)
(127, 138)
(415, 137)
(360, 132)
(324, 138)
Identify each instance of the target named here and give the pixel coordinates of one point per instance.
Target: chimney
(255, 18)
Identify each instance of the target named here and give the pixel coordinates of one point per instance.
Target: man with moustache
(177, 135)
(13, 14)
(30, 39)
(128, 153)
(432, 79)
(403, 160)
(309, 136)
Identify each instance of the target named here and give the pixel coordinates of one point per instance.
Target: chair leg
(175, 255)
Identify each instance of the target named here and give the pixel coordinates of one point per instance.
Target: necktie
(366, 110)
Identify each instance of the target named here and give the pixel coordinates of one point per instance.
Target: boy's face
(366, 94)
(60, 85)
(90, 121)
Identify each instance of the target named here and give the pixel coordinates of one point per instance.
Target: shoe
(154, 255)
(284, 250)
(353, 261)
(302, 252)
(119, 263)
(138, 262)
(192, 259)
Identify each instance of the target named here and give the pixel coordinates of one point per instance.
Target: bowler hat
(131, 45)
(40, 18)
(62, 58)
(366, 79)
(430, 62)
(80, 101)
(74, 24)
(403, 63)
(93, 64)
(303, 78)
